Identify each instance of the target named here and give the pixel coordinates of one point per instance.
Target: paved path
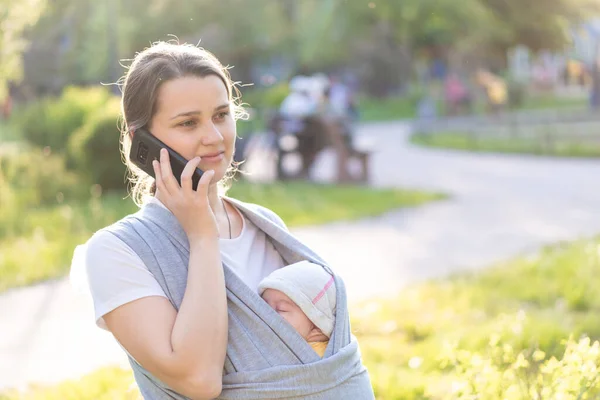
(500, 206)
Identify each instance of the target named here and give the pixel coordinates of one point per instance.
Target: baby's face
(289, 311)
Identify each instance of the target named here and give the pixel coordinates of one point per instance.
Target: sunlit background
(464, 216)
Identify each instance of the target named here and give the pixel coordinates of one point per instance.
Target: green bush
(268, 98)
(34, 178)
(95, 148)
(502, 372)
(274, 96)
(387, 109)
(38, 177)
(516, 94)
(50, 121)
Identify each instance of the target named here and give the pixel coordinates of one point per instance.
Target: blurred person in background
(495, 90)
(457, 96)
(317, 111)
(301, 102)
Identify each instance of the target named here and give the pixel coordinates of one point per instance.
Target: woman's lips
(212, 158)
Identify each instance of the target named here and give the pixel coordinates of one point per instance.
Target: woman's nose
(211, 135)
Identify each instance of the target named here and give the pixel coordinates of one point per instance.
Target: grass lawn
(535, 301)
(532, 302)
(542, 102)
(38, 244)
(531, 145)
(301, 203)
(395, 108)
(550, 102)
(104, 384)
(386, 109)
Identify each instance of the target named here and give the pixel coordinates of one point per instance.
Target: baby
(304, 295)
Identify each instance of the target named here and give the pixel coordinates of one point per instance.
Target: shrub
(95, 148)
(33, 178)
(50, 121)
(37, 176)
(274, 95)
(268, 98)
(516, 94)
(502, 372)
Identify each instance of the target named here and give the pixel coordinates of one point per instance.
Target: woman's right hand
(191, 207)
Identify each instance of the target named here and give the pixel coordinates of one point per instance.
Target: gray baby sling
(266, 358)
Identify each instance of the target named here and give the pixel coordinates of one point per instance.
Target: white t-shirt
(114, 274)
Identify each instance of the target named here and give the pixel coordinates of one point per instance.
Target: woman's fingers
(168, 179)
(188, 173)
(158, 177)
(166, 182)
(204, 183)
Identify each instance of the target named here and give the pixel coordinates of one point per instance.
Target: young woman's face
(289, 311)
(194, 117)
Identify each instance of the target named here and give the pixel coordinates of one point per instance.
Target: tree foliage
(379, 38)
(15, 18)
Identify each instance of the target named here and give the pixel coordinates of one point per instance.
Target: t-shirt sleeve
(116, 275)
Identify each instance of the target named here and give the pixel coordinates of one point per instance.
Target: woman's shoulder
(105, 243)
(102, 255)
(107, 240)
(111, 272)
(126, 223)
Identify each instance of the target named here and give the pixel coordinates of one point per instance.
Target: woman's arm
(185, 349)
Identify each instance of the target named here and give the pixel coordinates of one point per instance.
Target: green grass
(552, 102)
(386, 109)
(37, 244)
(395, 108)
(553, 293)
(104, 384)
(538, 103)
(531, 301)
(311, 204)
(533, 145)
(372, 109)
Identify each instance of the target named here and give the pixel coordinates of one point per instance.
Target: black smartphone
(145, 147)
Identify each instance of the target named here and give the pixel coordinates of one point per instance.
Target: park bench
(304, 140)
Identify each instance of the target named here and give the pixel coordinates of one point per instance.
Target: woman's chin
(220, 172)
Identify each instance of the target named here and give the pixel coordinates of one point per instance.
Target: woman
(176, 283)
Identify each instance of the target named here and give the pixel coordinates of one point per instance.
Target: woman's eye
(188, 123)
(222, 115)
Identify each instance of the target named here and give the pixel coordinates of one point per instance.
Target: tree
(379, 40)
(15, 18)
(541, 25)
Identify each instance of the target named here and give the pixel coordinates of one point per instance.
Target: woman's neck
(214, 199)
